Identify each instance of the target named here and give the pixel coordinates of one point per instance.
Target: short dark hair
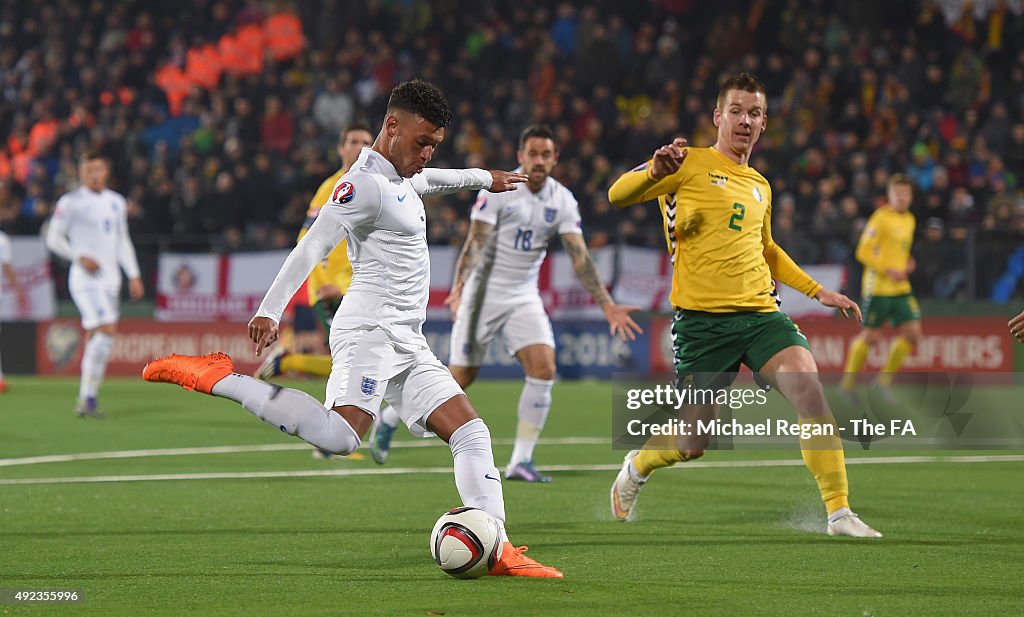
(355, 126)
(536, 130)
(92, 155)
(743, 81)
(423, 99)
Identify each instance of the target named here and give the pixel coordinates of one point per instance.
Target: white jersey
(381, 214)
(6, 257)
(524, 222)
(94, 225)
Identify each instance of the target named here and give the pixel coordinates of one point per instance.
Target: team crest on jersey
(550, 214)
(343, 193)
(757, 195)
(368, 386)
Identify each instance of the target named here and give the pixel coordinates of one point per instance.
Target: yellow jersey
(335, 269)
(717, 216)
(885, 244)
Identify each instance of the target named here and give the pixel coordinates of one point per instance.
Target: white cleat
(625, 489)
(849, 524)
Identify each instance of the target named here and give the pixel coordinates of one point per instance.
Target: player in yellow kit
(329, 281)
(884, 249)
(717, 211)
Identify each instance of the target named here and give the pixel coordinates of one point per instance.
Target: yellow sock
(824, 457)
(660, 451)
(855, 360)
(309, 364)
(901, 348)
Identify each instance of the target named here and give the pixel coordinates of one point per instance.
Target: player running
(884, 249)
(377, 343)
(89, 228)
(718, 212)
(495, 293)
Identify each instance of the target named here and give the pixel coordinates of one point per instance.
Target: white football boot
(625, 489)
(847, 523)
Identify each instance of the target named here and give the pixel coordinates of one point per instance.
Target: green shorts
(894, 309)
(325, 310)
(717, 343)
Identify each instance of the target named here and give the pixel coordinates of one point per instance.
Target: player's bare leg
(795, 374)
(477, 479)
(538, 363)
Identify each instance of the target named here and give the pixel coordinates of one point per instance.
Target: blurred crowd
(227, 158)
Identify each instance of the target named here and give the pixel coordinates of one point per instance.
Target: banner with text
(59, 345)
(204, 287)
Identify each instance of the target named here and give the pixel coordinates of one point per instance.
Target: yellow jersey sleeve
(783, 268)
(335, 269)
(867, 246)
(637, 185)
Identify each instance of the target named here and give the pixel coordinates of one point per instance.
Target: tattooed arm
(619, 321)
(472, 250)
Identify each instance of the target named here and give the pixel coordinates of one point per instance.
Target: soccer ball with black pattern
(466, 542)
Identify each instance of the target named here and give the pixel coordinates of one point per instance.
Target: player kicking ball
(495, 293)
(718, 218)
(377, 344)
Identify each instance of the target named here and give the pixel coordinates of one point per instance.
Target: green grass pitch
(744, 540)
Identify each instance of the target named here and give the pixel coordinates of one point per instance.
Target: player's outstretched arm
(658, 176)
(619, 322)
(479, 234)
(433, 181)
(1017, 327)
(354, 202)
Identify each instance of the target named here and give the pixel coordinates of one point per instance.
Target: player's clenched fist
(668, 159)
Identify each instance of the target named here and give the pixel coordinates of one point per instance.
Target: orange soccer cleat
(190, 372)
(514, 563)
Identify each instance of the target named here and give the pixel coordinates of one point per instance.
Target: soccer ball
(466, 542)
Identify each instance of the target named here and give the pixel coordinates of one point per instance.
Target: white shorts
(368, 367)
(520, 325)
(98, 306)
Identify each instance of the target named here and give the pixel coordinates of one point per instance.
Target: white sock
(291, 411)
(838, 514)
(534, 404)
(389, 415)
(94, 364)
(476, 477)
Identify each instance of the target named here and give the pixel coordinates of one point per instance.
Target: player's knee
(543, 372)
(340, 439)
(872, 336)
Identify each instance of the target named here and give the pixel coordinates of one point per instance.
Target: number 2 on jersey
(524, 239)
(737, 216)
